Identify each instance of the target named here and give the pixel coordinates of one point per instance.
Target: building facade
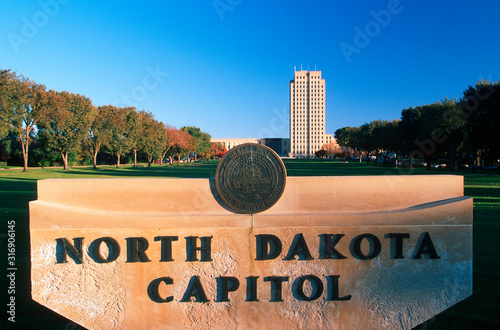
(307, 113)
(329, 139)
(280, 145)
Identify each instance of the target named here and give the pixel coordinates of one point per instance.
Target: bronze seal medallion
(250, 178)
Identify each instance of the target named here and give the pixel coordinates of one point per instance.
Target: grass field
(481, 311)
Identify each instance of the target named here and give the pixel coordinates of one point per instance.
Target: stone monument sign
(251, 248)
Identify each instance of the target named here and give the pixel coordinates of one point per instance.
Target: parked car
(488, 167)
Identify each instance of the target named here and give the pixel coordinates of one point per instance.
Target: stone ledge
(53, 216)
(301, 195)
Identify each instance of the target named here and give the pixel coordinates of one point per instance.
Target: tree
(408, 130)
(135, 130)
(153, 136)
(368, 138)
(119, 143)
(214, 149)
(171, 136)
(350, 137)
(177, 142)
(67, 123)
(386, 138)
(418, 125)
(202, 143)
(5, 109)
(321, 153)
(480, 108)
(432, 129)
(222, 151)
(99, 132)
(184, 143)
(6, 101)
(453, 133)
(334, 150)
(23, 103)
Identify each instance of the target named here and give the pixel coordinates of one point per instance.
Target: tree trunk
(135, 158)
(163, 156)
(117, 161)
(24, 146)
(150, 159)
(411, 160)
(94, 154)
(453, 158)
(171, 159)
(65, 160)
(473, 160)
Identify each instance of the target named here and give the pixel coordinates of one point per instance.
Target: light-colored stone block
(380, 223)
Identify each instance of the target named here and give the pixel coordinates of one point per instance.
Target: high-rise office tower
(307, 113)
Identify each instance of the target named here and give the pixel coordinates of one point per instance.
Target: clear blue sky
(225, 65)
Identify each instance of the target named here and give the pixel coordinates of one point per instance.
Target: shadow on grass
(189, 170)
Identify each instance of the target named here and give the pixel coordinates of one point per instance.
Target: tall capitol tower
(307, 113)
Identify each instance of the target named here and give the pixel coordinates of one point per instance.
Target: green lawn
(481, 311)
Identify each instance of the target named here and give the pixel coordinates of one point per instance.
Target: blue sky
(225, 65)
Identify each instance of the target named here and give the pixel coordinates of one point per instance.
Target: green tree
(431, 130)
(202, 145)
(153, 137)
(135, 130)
(419, 124)
(25, 104)
(118, 143)
(453, 132)
(349, 137)
(100, 131)
(387, 138)
(321, 153)
(480, 108)
(368, 138)
(408, 130)
(6, 101)
(67, 123)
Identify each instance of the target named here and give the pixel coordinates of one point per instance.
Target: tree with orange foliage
(185, 143)
(214, 149)
(222, 151)
(333, 149)
(169, 142)
(177, 142)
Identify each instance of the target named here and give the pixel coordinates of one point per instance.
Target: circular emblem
(250, 178)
